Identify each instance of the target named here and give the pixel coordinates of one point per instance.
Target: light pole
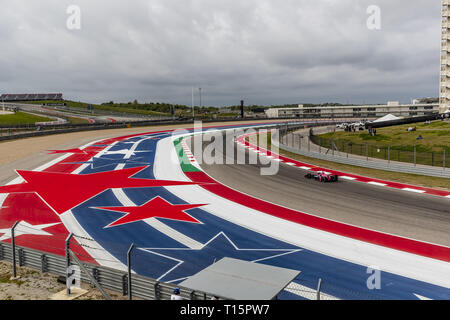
(193, 110)
(200, 91)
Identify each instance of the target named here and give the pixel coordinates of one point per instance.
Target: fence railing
(386, 152)
(108, 278)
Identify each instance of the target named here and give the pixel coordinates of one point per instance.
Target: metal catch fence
(387, 152)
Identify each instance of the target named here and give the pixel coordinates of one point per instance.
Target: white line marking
(377, 184)
(413, 190)
(348, 178)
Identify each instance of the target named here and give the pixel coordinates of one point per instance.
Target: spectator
(176, 295)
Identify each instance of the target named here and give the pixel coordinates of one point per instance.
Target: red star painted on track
(155, 208)
(62, 191)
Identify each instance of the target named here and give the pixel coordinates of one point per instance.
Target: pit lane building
(445, 58)
(418, 108)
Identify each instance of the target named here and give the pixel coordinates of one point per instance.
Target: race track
(148, 190)
(419, 216)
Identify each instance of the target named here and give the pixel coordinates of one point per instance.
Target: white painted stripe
(305, 168)
(3, 197)
(174, 234)
(81, 168)
(101, 153)
(422, 297)
(377, 183)
(290, 163)
(414, 190)
(347, 178)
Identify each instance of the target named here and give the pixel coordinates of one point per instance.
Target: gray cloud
(265, 51)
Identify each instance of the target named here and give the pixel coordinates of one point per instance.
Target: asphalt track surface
(416, 216)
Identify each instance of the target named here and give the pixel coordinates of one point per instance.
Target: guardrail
(111, 279)
(68, 128)
(305, 148)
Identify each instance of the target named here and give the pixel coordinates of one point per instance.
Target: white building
(364, 111)
(445, 58)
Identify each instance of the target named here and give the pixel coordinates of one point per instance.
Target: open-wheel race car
(322, 176)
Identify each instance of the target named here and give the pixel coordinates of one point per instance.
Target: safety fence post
(44, 263)
(389, 154)
(129, 270)
(367, 151)
(443, 160)
(13, 243)
(125, 284)
(21, 257)
(68, 262)
(415, 156)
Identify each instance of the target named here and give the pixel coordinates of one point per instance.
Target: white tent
(388, 117)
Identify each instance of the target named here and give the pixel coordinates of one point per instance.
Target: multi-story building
(363, 111)
(444, 100)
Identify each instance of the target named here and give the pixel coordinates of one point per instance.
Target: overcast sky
(263, 51)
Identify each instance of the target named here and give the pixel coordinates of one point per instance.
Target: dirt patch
(34, 285)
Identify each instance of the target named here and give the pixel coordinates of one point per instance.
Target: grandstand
(7, 97)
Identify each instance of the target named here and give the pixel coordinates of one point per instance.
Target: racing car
(322, 176)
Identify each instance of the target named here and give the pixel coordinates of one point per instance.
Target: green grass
(429, 150)
(21, 118)
(435, 136)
